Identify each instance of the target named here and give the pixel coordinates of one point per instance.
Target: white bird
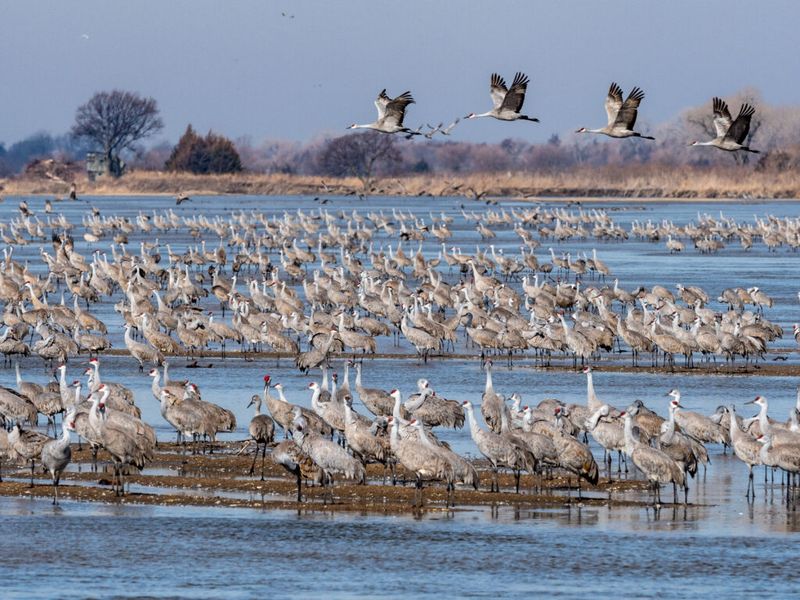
(507, 102)
(391, 112)
(621, 115)
(730, 134)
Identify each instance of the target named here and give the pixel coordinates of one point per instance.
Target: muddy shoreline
(221, 480)
(774, 365)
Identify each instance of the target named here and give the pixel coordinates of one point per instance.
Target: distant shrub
(202, 155)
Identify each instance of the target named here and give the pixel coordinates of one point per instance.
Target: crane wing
(722, 117)
(498, 90)
(516, 95)
(741, 126)
(396, 109)
(380, 103)
(613, 102)
(626, 117)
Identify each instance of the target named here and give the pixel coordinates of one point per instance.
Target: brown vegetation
(643, 181)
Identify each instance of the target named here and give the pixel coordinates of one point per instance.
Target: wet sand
(777, 362)
(221, 479)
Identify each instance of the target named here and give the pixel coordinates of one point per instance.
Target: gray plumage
(292, 458)
(26, 445)
(262, 432)
(56, 454)
(16, 408)
(329, 456)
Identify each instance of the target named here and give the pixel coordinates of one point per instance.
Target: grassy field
(614, 182)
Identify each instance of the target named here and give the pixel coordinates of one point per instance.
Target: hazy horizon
(288, 70)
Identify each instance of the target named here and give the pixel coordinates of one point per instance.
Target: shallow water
(92, 550)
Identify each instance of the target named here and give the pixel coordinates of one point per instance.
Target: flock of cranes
(318, 284)
(345, 283)
(332, 440)
(507, 104)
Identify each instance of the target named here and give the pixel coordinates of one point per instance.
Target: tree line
(116, 124)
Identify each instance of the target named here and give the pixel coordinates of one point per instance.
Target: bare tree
(361, 155)
(115, 121)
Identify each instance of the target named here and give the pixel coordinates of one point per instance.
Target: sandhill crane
(219, 418)
(463, 471)
(433, 410)
(492, 404)
(730, 134)
(573, 456)
(421, 460)
(686, 451)
(142, 352)
(185, 417)
(499, 450)
(784, 456)
(56, 454)
(292, 458)
(781, 436)
(360, 439)
(262, 431)
(423, 341)
(696, 425)
(27, 445)
(621, 115)
(608, 433)
(14, 407)
(746, 449)
(329, 456)
(391, 112)
(124, 446)
(656, 466)
(377, 401)
(507, 101)
(315, 356)
(28, 389)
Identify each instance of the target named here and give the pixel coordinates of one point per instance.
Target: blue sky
(242, 68)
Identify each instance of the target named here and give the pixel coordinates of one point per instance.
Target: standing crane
(730, 134)
(656, 466)
(328, 455)
(621, 115)
(56, 454)
(507, 101)
(262, 431)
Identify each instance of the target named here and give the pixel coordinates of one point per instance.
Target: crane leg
(299, 483)
(253, 464)
(263, 459)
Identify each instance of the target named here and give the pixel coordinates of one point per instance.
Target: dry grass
(648, 181)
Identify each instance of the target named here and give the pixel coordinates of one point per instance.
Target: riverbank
(221, 479)
(649, 183)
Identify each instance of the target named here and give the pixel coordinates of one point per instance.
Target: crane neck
(591, 398)
(630, 440)
(591, 423)
(474, 428)
(763, 419)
